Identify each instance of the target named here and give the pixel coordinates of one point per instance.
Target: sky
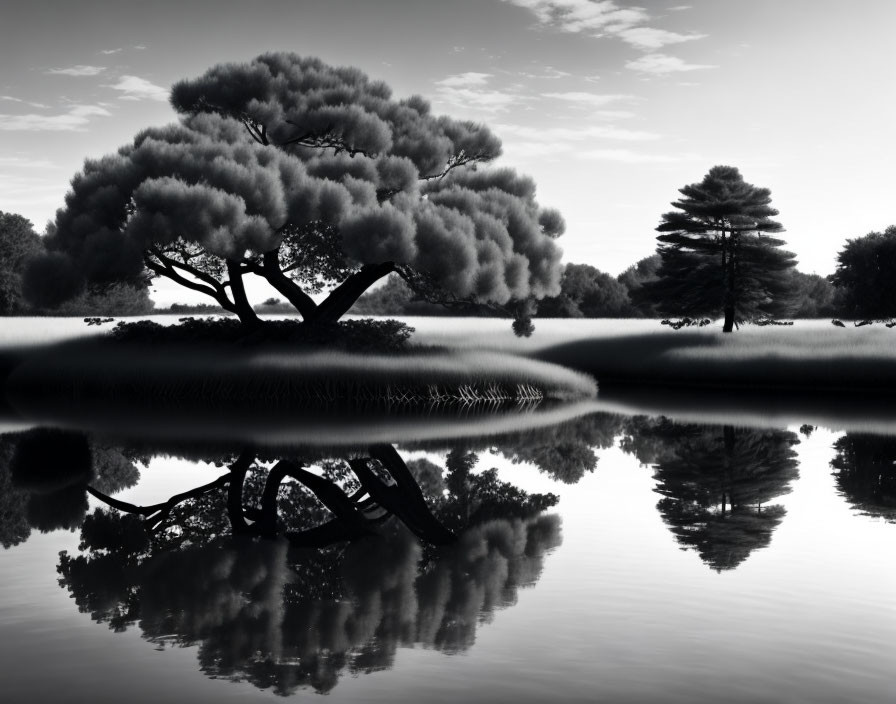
(611, 106)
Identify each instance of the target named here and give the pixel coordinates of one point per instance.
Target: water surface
(681, 562)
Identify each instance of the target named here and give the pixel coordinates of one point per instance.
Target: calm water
(676, 562)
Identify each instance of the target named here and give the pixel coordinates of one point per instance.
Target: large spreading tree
(313, 178)
(866, 274)
(717, 256)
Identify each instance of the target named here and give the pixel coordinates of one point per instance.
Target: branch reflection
(285, 573)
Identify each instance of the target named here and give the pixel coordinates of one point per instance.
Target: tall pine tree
(717, 257)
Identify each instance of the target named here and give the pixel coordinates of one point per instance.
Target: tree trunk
(728, 325)
(343, 297)
(274, 275)
(242, 307)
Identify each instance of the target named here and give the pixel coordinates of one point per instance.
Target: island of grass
(281, 366)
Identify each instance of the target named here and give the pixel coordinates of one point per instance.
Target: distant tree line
(20, 244)
(716, 257)
(588, 292)
(862, 287)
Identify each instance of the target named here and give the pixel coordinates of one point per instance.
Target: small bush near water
(367, 335)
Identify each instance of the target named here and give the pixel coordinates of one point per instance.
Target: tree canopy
(866, 273)
(18, 243)
(307, 176)
(587, 292)
(716, 257)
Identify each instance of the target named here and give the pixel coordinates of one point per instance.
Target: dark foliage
(18, 244)
(716, 484)
(586, 292)
(866, 274)
(865, 469)
(312, 178)
(716, 257)
(350, 335)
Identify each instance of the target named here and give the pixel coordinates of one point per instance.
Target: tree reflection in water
(716, 484)
(213, 567)
(43, 480)
(865, 471)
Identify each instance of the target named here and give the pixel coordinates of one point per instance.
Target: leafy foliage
(307, 176)
(866, 273)
(18, 243)
(586, 292)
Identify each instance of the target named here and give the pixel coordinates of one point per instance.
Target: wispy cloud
(602, 18)
(562, 142)
(23, 102)
(22, 162)
(79, 70)
(107, 52)
(629, 156)
(470, 90)
(584, 15)
(651, 38)
(74, 120)
(569, 134)
(679, 8)
(589, 100)
(465, 80)
(546, 72)
(660, 64)
(136, 88)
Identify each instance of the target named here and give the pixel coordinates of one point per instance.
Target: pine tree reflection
(865, 470)
(283, 617)
(716, 484)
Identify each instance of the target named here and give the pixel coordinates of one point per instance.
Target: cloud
(523, 141)
(560, 135)
(471, 78)
(649, 38)
(547, 72)
(21, 162)
(583, 15)
(136, 88)
(110, 51)
(74, 120)
(79, 70)
(24, 102)
(591, 100)
(663, 63)
(628, 156)
(469, 90)
(679, 8)
(602, 18)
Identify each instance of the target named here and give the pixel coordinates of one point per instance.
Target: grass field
(811, 354)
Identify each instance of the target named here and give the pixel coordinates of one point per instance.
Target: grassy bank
(812, 358)
(275, 377)
(810, 355)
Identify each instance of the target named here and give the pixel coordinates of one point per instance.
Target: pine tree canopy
(716, 255)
